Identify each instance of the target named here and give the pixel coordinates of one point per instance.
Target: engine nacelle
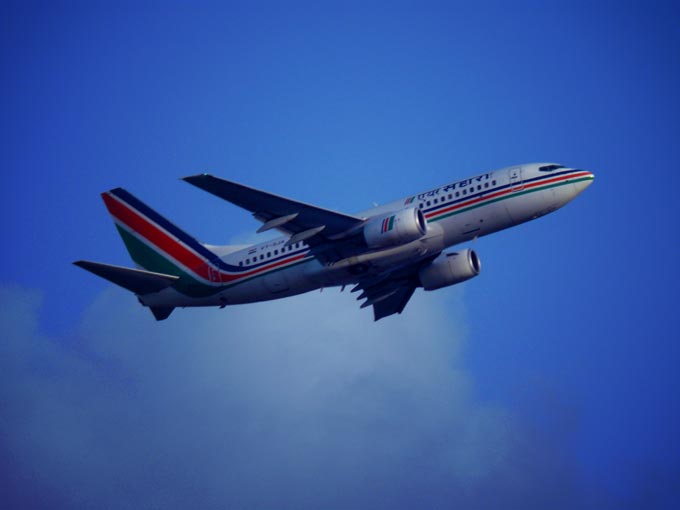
(395, 228)
(449, 269)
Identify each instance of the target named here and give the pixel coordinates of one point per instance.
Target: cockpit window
(549, 168)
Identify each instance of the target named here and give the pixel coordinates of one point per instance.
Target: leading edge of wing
(267, 206)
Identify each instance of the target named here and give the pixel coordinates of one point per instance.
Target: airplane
(386, 252)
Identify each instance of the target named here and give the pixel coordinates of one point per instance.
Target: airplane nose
(583, 182)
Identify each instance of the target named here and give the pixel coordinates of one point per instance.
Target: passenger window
(457, 194)
(276, 252)
(436, 200)
(486, 184)
(420, 205)
(450, 196)
(479, 188)
(261, 257)
(493, 182)
(464, 192)
(428, 203)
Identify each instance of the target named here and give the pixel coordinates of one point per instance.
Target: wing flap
(387, 296)
(390, 292)
(395, 303)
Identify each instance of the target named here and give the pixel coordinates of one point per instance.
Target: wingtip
(192, 178)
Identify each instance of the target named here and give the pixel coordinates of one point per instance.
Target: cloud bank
(299, 403)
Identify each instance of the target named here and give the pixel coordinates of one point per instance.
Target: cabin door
(516, 182)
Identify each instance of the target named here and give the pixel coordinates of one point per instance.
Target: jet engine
(449, 269)
(395, 228)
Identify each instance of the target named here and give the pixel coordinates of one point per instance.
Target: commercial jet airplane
(386, 252)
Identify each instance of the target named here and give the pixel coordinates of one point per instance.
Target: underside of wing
(395, 303)
(389, 293)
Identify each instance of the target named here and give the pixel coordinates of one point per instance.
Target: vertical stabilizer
(154, 243)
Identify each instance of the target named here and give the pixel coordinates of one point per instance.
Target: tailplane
(135, 280)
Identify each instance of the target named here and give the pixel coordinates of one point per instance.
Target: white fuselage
(455, 213)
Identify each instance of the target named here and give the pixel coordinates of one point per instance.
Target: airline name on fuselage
(453, 186)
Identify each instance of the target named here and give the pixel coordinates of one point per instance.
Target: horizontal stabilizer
(135, 280)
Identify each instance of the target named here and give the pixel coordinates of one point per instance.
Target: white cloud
(303, 402)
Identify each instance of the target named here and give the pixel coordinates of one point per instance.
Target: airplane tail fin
(165, 255)
(154, 243)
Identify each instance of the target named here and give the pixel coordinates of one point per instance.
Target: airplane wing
(328, 233)
(331, 236)
(387, 297)
(390, 292)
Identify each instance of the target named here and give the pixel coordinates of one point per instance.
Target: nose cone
(582, 181)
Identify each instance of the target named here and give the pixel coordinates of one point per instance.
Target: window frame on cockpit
(550, 168)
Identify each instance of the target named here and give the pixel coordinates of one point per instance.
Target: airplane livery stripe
(159, 220)
(148, 256)
(157, 237)
(159, 240)
(509, 191)
(159, 243)
(188, 284)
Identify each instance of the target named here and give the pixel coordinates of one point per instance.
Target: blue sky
(549, 381)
